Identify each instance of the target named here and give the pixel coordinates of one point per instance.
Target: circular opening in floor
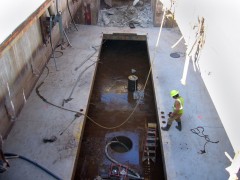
(121, 144)
(175, 55)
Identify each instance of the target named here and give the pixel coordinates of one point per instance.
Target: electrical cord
(199, 131)
(71, 15)
(94, 47)
(61, 53)
(50, 103)
(75, 85)
(11, 156)
(138, 102)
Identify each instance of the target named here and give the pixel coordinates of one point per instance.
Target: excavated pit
(110, 106)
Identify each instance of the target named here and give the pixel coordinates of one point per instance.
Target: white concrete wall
(13, 13)
(219, 59)
(23, 55)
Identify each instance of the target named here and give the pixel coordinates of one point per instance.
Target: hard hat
(174, 93)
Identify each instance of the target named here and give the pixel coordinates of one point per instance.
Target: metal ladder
(149, 152)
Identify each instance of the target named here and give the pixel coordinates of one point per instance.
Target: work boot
(179, 126)
(166, 128)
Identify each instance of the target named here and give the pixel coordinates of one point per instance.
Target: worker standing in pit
(177, 111)
(3, 162)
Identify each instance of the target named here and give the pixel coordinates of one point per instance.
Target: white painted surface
(13, 13)
(219, 59)
(39, 120)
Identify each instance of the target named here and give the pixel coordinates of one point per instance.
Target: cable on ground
(199, 131)
(138, 102)
(12, 156)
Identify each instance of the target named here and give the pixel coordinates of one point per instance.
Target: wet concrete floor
(111, 104)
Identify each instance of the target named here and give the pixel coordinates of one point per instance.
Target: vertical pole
(185, 70)
(53, 49)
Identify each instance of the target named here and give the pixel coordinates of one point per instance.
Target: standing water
(121, 137)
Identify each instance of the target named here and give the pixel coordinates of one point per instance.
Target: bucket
(132, 83)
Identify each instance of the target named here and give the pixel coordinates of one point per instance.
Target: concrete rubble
(139, 15)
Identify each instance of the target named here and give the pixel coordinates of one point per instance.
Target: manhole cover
(121, 144)
(175, 55)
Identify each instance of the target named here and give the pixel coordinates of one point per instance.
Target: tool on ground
(50, 140)
(118, 171)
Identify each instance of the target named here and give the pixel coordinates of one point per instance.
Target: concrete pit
(110, 106)
(123, 144)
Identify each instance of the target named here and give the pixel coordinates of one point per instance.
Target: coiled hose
(135, 174)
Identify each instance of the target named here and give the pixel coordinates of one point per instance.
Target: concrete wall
(218, 59)
(22, 59)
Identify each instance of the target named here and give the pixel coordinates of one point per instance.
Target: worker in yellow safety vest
(177, 111)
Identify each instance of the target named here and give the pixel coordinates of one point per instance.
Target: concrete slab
(39, 120)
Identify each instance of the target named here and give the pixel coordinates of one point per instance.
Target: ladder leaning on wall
(149, 151)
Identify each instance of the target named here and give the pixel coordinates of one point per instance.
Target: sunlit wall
(13, 13)
(219, 57)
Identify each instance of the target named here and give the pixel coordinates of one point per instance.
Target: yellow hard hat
(174, 93)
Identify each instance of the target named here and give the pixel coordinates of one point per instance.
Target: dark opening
(124, 144)
(175, 55)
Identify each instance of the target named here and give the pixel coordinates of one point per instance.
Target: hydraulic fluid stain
(111, 104)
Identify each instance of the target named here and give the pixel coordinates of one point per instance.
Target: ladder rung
(149, 151)
(152, 125)
(148, 157)
(151, 144)
(150, 138)
(151, 132)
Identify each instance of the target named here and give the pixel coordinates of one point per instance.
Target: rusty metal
(19, 31)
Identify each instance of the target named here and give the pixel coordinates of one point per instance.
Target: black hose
(70, 95)
(46, 101)
(71, 16)
(79, 77)
(200, 132)
(32, 162)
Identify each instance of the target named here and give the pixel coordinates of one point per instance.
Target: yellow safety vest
(181, 101)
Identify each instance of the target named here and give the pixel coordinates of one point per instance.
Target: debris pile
(138, 15)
